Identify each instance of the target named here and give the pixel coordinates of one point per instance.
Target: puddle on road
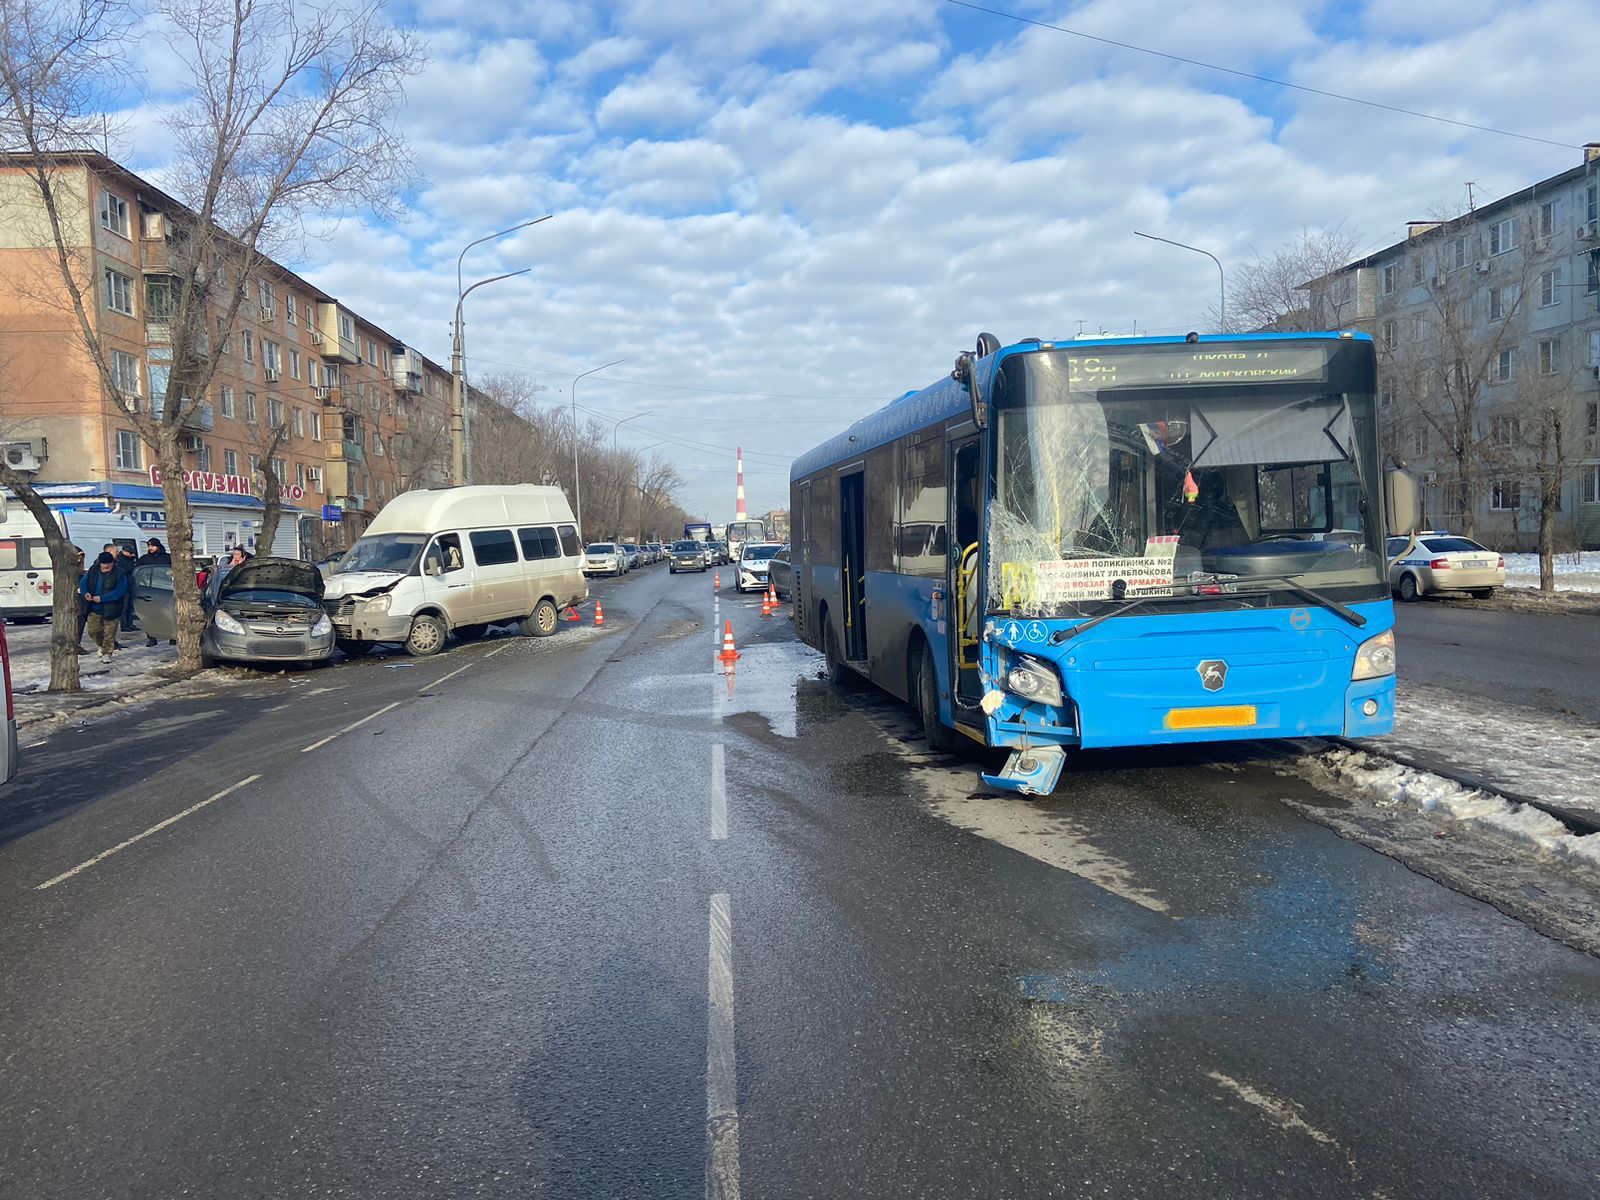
(765, 681)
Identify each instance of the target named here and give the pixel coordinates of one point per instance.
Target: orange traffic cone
(729, 654)
(766, 605)
(599, 614)
(772, 593)
(716, 581)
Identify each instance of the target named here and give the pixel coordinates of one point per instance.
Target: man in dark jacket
(155, 555)
(126, 561)
(103, 588)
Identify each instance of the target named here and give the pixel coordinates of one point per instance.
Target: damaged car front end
(268, 610)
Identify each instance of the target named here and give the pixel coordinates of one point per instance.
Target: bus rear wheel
(940, 736)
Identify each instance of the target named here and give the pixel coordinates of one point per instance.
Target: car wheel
(939, 735)
(426, 637)
(543, 621)
(1408, 588)
(1483, 593)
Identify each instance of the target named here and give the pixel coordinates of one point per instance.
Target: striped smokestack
(738, 507)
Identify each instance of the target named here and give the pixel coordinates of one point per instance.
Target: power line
(1283, 83)
(634, 381)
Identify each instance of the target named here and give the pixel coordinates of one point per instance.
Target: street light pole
(458, 354)
(577, 480)
(638, 480)
(458, 399)
(1222, 296)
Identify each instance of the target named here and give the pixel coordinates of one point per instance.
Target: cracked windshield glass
(1112, 485)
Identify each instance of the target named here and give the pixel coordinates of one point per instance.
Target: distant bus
(740, 532)
(698, 531)
(1112, 543)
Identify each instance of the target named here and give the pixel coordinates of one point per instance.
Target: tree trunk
(271, 511)
(1547, 538)
(191, 618)
(64, 578)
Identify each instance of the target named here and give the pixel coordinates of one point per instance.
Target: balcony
(335, 348)
(348, 451)
(406, 365)
(201, 419)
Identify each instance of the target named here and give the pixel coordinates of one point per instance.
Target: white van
(25, 573)
(457, 560)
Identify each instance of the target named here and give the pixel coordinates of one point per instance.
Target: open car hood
(278, 574)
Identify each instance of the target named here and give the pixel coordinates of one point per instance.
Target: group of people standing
(105, 594)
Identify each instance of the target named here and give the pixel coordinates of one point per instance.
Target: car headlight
(1034, 679)
(323, 627)
(1375, 658)
(378, 603)
(227, 622)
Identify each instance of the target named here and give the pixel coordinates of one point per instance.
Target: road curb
(1577, 821)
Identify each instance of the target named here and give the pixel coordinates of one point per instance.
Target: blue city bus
(1112, 542)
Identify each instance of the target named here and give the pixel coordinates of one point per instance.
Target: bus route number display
(1192, 365)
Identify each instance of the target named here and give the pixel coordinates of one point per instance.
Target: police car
(1435, 561)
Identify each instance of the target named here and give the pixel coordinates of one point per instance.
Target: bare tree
(288, 115)
(1273, 292)
(268, 442)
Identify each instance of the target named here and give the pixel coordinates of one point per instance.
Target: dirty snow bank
(1389, 784)
(1574, 573)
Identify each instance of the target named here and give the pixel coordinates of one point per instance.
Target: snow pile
(1390, 783)
(1574, 572)
(1533, 752)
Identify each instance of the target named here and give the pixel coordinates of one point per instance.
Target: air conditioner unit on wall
(1481, 266)
(26, 457)
(272, 374)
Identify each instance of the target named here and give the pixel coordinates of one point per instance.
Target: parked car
(604, 558)
(8, 736)
(1443, 562)
(443, 561)
(635, 555)
(265, 610)
(753, 565)
(781, 572)
(687, 556)
(655, 550)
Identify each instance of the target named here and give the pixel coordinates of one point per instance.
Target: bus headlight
(1034, 679)
(1375, 658)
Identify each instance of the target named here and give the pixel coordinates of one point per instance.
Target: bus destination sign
(1189, 365)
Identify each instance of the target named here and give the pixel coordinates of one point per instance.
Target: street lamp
(1222, 298)
(458, 413)
(458, 364)
(577, 481)
(638, 478)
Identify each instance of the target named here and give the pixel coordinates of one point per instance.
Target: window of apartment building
(1547, 218)
(1505, 429)
(274, 413)
(299, 422)
(158, 370)
(313, 372)
(202, 458)
(125, 376)
(1391, 334)
(114, 213)
(294, 363)
(288, 307)
(1505, 366)
(1549, 355)
(119, 292)
(255, 465)
(1549, 287)
(1458, 252)
(300, 474)
(1591, 482)
(1591, 274)
(158, 297)
(1506, 495)
(351, 427)
(316, 426)
(347, 327)
(1591, 208)
(267, 301)
(127, 450)
(1416, 269)
(1594, 347)
(224, 340)
(330, 375)
(1503, 236)
(1497, 303)
(1391, 278)
(271, 357)
(1591, 419)
(152, 224)
(225, 396)
(230, 462)
(377, 444)
(1418, 441)
(250, 407)
(1386, 394)
(249, 346)
(281, 470)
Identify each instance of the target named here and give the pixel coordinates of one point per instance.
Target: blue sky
(784, 213)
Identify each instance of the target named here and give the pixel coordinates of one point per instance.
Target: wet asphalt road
(467, 948)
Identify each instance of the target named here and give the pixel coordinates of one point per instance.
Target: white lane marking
(278, 707)
(1285, 1114)
(452, 675)
(338, 687)
(501, 650)
(348, 728)
(719, 794)
(722, 1079)
(139, 837)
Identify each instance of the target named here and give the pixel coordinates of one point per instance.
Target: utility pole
(577, 480)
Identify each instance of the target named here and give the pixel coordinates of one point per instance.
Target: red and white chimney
(738, 507)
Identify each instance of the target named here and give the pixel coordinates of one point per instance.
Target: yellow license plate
(1237, 716)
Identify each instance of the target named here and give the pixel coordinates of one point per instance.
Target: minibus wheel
(543, 621)
(426, 637)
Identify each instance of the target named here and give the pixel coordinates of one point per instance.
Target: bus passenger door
(966, 580)
(852, 562)
(800, 557)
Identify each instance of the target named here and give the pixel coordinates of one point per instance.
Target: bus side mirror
(1402, 501)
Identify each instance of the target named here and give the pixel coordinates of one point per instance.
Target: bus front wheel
(940, 736)
(834, 669)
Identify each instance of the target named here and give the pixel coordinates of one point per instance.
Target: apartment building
(343, 414)
(1488, 333)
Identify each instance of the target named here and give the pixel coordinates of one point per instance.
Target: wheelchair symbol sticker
(1036, 632)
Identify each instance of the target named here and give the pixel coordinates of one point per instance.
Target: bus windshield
(1170, 491)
